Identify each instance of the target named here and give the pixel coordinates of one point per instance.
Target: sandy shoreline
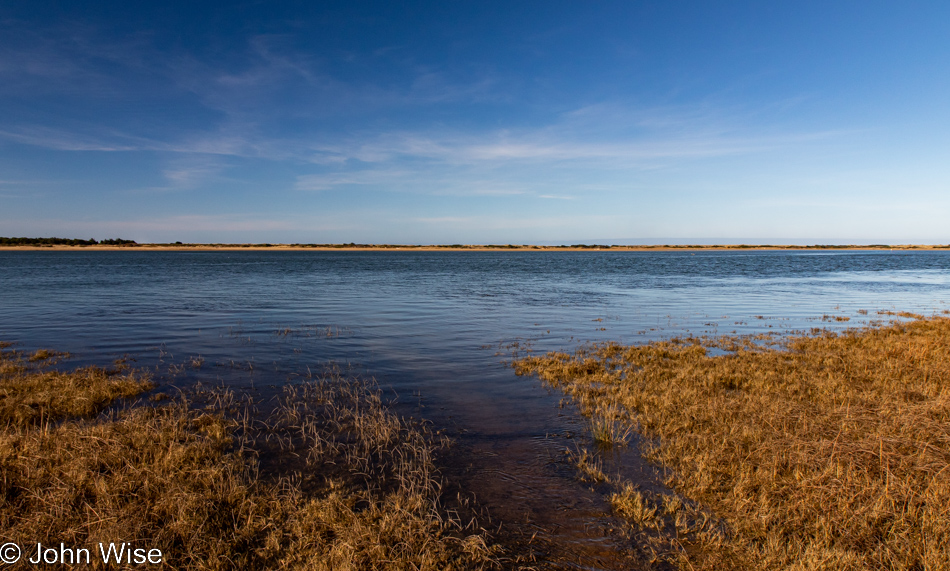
(472, 248)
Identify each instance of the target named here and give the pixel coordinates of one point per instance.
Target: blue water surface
(417, 320)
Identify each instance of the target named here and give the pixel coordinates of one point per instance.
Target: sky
(476, 122)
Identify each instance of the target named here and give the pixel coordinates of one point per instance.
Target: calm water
(434, 328)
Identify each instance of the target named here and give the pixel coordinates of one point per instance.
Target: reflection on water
(435, 329)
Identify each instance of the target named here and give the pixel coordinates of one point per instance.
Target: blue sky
(476, 122)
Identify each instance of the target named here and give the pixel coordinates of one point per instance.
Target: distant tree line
(63, 242)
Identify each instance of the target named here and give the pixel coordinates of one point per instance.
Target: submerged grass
(832, 452)
(330, 480)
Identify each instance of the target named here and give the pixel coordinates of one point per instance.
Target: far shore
(469, 248)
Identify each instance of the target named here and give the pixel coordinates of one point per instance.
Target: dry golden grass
(608, 427)
(590, 466)
(348, 486)
(830, 453)
(31, 393)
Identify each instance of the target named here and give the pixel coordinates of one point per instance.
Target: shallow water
(436, 329)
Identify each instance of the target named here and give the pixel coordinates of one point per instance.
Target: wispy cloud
(68, 59)
(271, 102)
(159, 225)
(267, 101)
(543, 159)
(190, 171)
(62, 140)
(644, 141)
(497, 223)
(331, 180)
(435, 180)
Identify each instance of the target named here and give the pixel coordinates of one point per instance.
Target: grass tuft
(608, 428)
(633, 505)
(590, 466)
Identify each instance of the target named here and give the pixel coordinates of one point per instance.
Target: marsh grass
(608, 427)
(590, 466)
(313, 331)
(31, 393)
(635, 506)
(328, 479)
(831, 451)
